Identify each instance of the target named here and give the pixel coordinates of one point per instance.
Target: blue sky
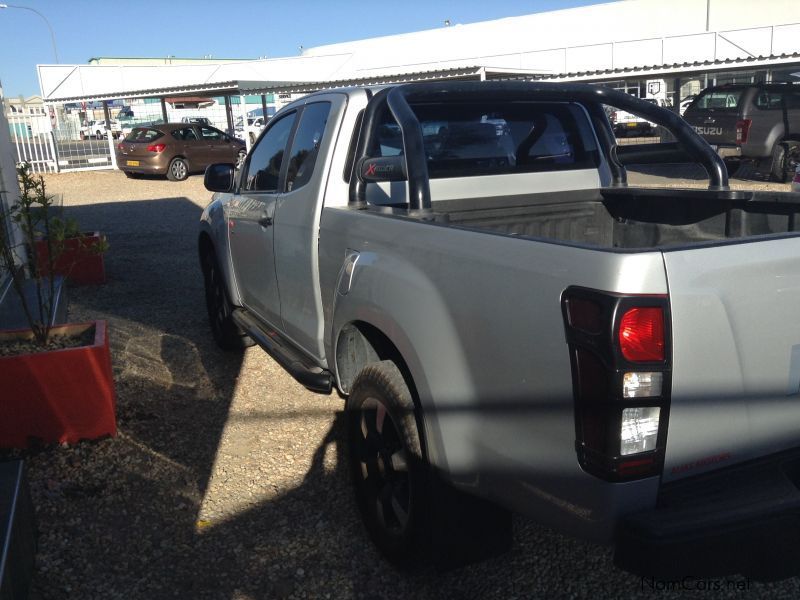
(247, 29)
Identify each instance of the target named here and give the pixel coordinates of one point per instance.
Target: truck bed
(630, 218)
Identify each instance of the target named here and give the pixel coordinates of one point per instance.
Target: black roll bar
(397, 99)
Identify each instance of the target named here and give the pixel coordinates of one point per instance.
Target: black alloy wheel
(389, 472)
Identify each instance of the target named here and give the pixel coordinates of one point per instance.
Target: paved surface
(227, 479)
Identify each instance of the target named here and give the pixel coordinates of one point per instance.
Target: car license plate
(133, 163)
(632, 124)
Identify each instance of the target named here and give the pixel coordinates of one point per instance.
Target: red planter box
(59, 395)
(78, 263)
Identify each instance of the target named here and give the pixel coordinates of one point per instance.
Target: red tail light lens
(156, 148)
(119, 146)
(796, 177)
(641, 334)
(742, 130)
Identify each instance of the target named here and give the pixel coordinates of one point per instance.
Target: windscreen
(494, 138)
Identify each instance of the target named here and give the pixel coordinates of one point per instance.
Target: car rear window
(143, 134)
(717, 100)
(495, 138)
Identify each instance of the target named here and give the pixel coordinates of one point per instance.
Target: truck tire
(413, 516)
(785, 157)
(227, 334)
(390, 473)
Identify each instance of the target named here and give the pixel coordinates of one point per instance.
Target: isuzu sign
(708, 130)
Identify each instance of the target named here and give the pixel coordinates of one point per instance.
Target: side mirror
(385, 168)
(219, 177)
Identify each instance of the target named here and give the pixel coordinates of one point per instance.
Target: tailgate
(135, 149)
(715, 127)
(736, 354)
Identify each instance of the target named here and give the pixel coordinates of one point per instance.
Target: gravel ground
(227, 478)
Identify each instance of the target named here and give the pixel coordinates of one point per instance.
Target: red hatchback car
(176, 150)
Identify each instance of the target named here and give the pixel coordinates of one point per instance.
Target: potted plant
(80, 259)
(56, 380)
(76, 255)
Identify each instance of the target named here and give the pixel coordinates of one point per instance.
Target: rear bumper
(744, 519)
(144, 167)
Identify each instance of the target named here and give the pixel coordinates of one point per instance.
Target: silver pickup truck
(517, 329)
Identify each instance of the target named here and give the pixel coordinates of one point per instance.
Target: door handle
(265, 221)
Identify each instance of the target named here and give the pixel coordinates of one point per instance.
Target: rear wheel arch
(359, 344)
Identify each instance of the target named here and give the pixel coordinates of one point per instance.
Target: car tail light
(613, 116)
(742, 130)
(119, 146)
(641, 334)
(796, 177)
(621, 372)
(156, 147)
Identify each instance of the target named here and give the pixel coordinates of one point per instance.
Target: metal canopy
(750, 62)
(222, 88)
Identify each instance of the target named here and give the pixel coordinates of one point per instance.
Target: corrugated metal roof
(677, 68)
(376, 79)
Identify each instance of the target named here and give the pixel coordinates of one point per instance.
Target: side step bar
(291, 359)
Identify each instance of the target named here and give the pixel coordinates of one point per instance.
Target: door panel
(251, 220)
(297, 225)
(214, 146)
(187, 144)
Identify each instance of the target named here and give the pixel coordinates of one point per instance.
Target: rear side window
(305, 146)
(768, 100)
(143, 134)
(723, 100)
(495, 138)
(184, 134)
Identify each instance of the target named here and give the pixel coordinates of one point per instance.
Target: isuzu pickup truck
(515, 328)
(758, 123)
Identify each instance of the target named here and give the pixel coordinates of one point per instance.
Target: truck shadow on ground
(124, 517)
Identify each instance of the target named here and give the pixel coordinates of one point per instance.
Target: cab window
(264, 168)
(305, 145)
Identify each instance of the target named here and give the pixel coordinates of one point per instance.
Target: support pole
(109, 135)
(229, 115)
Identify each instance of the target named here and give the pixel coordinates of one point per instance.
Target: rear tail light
(620, 356)
(156, 147)
(613, 116)
(119, 146)
(641, 334)
(639, 431)
(742, 130)
(796, 177)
